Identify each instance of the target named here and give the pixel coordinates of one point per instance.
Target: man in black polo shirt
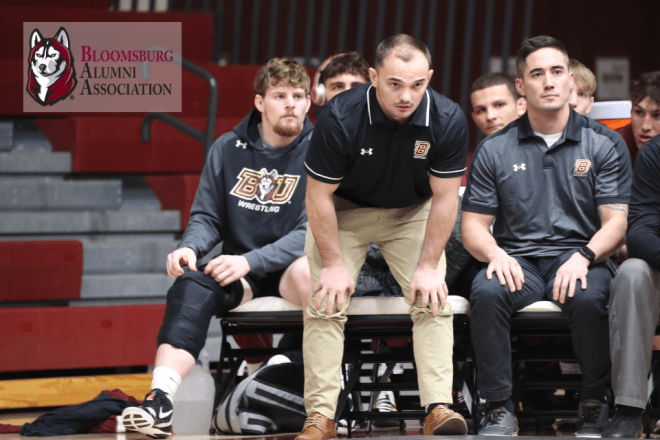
(385, 159)
(557, 185)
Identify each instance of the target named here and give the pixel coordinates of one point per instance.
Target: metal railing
(208, 137)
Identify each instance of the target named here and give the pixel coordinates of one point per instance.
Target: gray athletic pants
(634, 307)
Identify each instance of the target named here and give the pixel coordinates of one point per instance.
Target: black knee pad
(192, 301)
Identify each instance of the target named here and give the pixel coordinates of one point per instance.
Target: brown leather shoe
(318, 427)
(443, 421)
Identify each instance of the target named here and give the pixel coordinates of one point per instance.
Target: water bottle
(193, 403)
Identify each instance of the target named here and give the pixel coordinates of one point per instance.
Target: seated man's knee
(297, 276)
(589, 302)
(192, 301)
(485, 291)
(631, 273)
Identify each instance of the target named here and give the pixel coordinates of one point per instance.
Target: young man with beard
(263, 233)
(384, 166)
(495, 102)
(557, 185)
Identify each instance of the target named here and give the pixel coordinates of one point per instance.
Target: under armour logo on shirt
(364, 151)
(521, 167)
(241, 144)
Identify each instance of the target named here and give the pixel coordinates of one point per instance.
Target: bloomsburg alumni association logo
(51, 74)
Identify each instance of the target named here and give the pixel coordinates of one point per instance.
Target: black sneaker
(499, 422)
(624, 426)
(342, 424)
(153, 418)
(592, 417)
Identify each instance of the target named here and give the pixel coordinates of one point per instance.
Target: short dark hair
(495, 79)
(386, 46)
(350, 62)
(281, 71)
(648, 85)
(531, 45)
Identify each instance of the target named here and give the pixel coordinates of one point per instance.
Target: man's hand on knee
(431, 285)
(335, 282)
(576, 268)
(185, 256)
(226, 269)
(507, 269)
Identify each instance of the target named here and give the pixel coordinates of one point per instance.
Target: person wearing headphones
(338, 73)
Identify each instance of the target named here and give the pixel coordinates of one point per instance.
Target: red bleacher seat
(235, 91)
(175, 192)
(40, 270)
(112, 144)
(57, 338)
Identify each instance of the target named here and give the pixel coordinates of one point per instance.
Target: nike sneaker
(385, 403)
(153, 418)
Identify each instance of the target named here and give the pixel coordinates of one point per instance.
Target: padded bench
(384, 318)
(368, 318)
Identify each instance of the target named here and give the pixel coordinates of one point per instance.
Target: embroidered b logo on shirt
(421, 149)
(581, 167)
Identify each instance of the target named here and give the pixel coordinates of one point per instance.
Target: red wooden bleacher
(57, 338)
(40, 270)
(35, 274)
(63, 337)
(101, 144)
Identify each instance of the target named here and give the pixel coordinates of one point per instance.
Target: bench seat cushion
(375, 306)
(359, 306)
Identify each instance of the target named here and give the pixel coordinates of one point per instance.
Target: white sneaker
(385, 403)
(342, 426)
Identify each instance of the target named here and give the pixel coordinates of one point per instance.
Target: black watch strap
(587, 253)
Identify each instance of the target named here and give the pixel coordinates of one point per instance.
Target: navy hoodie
(252, 199)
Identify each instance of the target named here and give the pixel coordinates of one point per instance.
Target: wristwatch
(587, 253)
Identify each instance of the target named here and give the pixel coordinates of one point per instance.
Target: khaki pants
(399, 233)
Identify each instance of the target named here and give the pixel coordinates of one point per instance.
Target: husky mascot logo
(264, 186)
(51, 76)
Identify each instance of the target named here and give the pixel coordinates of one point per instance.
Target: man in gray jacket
(251, 196)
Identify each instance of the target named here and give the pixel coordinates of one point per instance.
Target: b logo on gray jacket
(265, 186)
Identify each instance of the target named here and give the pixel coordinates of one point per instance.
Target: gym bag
(268, 401)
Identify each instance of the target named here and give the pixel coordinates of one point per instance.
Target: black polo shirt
(644, 220)
(545, 200)
(379, 163)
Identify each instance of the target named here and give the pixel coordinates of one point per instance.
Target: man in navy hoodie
(251, 196)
